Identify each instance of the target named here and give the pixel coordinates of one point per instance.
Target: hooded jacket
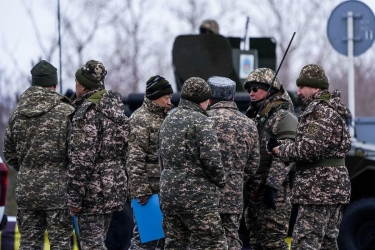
(36, 143)
(97, 153)
(322, 134)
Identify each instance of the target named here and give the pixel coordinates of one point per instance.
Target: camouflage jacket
(143, 166)
(322, 134)
(239, 146)
(97, 153)
(276, 119)
(36, 144)
(192, 172)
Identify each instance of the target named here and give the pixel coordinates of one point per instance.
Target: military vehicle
(208, 55)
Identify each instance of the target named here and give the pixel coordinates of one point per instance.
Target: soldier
(192, 173)
(142, 165)
(97, 152)
(209, 27)
(239, 146)
(269, 191)
(322, 183)
(36, 143)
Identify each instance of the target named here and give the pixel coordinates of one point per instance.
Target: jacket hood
(37, 100)
(110, 104)
(334, 101)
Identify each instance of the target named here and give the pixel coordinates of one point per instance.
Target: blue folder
(149, 219)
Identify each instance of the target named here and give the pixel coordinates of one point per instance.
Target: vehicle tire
(357, 229)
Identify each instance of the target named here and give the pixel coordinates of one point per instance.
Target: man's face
(164, 101)
(257, 94)
(305, 92)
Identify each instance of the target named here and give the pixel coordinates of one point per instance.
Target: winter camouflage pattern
(92, 229)
(94, 70)
(239, 146)
(143, 166)
(191, 161)
(262, 75)
(97, 151)
(313, 71)
(322, 134)
(317, 227)
(32, 225)
(231, 225)
(269, 227)
(199, 231)
(35, 144)
(196, 90)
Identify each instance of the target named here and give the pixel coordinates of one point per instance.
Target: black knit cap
(91, 75)
(157, 86)
(196, 89)
(44, 74)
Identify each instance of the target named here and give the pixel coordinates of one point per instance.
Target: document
(149, 219)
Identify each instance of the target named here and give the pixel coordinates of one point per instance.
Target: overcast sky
(17, 35)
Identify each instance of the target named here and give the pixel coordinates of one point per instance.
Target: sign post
(350, 30)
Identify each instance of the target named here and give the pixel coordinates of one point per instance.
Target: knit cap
(44, 74)
(222, 88)
(195, 89)
(91, 75)
(157, 86)
(313, 75)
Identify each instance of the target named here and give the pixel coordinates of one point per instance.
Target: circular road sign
(363, 27)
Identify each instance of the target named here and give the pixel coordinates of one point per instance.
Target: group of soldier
(209, 163)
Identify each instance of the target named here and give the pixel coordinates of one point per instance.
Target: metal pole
(351, 94)
(59, 27)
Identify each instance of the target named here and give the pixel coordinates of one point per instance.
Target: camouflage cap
(262, 77)
(209, 26)
(196, 89)
(44, 74)
(313, 75)
(91, 75)
(222, 88)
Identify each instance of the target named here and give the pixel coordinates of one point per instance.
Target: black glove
(272, 143)
(269, 197)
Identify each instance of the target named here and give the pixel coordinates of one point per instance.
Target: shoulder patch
(312, 129)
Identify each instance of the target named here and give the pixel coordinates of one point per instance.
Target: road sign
(363, 27)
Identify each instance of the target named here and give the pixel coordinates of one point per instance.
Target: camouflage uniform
(142, 165)
(96, 173)
(322, 183)
(268, 227)
(239, 146)
(35, 145)
(192, 174)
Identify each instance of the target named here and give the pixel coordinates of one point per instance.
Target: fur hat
(222, 88)
(157, 86)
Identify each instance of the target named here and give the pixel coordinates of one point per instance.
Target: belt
(320, 163)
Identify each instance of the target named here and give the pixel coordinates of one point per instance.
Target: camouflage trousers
(268, 228)
(194, 231)
(137, 245)
(33, 223)
(231, 225)
(93, 229)
(317, 227)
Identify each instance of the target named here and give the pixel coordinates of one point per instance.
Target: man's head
(90, 76)
(159, 91)
(222, 88)
(259, 81)
(311, 80)
(44, 74)
(209, 27)
(196, 90)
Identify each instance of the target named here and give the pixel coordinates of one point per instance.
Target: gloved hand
(269, 197)
(272, 143)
